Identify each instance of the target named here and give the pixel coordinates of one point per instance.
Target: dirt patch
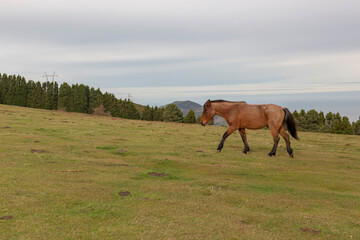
(6, 127)
(37, 151)
(310, 230)
(101, 111)
(246, 222)
(158, 174)
(199, 151)
(6, 217)
(67, 171)
(124, 193)
(49, 162)
(36, 141)
(114, 164)
(71, 171)
(120, 152)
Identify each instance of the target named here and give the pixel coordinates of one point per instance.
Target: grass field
(77, 176)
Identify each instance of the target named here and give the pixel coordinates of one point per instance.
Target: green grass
(60, 174)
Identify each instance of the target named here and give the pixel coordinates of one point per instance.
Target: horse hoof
(218, 151)
(246, 151)
(271, 154)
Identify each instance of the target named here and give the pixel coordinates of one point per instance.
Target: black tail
(289, 121)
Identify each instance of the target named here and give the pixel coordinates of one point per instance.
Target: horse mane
(221, 100)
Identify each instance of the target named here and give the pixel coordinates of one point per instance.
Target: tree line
(169, 113)
(313, 121)
(15, 90)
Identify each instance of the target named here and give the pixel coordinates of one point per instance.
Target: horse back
(253, 116)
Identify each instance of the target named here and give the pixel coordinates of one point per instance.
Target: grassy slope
(139, 107)
(60, 174)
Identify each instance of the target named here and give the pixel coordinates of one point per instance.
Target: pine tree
(111, 104)
(31, 86)
(302, 119)
(20, 92)
(3, 88)
(321, 119)
(158, 114)
(83, 98)
(336, 123)
(329, 119)
(38, 96)
(312, 120)
(73, 99)
(56, 95)
(128, 110)
(64, 96)
(23, 92)
(296, 115)
(147, 114)
(96, 99)
(1, 82)
(10, 93)
(172, 114)
(79, 99)
(190, 117)
(49, 95)
(346, 127)
(356, 127)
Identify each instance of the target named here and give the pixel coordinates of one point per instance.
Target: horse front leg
(228, 132)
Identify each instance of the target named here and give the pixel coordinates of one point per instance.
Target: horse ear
(208, 102)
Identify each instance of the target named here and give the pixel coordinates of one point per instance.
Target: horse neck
(222, 108)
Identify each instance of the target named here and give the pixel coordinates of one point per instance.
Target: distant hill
(139, 107)
(186, 106)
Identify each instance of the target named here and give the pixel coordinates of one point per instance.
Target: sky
(300, 54)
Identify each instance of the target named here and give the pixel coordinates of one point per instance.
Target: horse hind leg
(244, 139)
(276, 138)
(286, 137)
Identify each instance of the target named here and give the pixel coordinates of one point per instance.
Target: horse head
(208, 113)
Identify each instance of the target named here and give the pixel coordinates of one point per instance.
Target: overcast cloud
(161, 51)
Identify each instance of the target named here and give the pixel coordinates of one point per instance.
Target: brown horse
(240, 115)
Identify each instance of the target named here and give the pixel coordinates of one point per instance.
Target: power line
(129, 96)
(50, 75)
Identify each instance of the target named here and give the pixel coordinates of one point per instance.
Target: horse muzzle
(202, 124)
